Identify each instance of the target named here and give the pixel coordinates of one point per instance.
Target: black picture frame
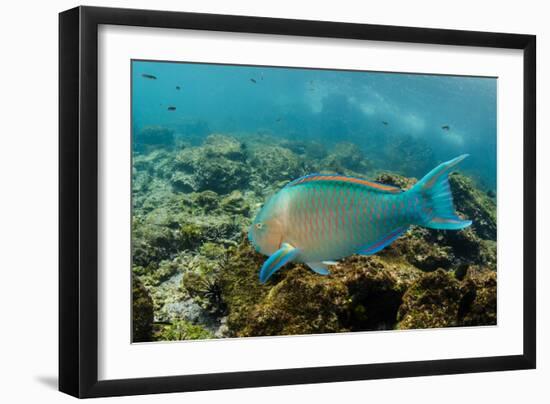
(78, 201)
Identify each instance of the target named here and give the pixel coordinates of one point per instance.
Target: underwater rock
(189, 311)
(396, 180)
(181, 330)
(218, 165)
(178, 298)
(298, 305)
(207, 200)
(183, 182)
(375, 287)
(361, 293)
(419, 250)
(346, 156)
(309, 149)
(142, 312)
(239, 284)
(438, 299)
(155, 240)
(149, 162)
(217, 145)
(479, 302)
(476, 205)
(152, 243)
(219, 228)
(235, 203)
(152, 137)
(274, 163)
(431, 302)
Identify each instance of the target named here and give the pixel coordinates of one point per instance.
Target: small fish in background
(178, 88)
(252, 80)
(149, 76)
(384, 123)
(320, 218)
(446, 127)
(171, 108)
(278, 119)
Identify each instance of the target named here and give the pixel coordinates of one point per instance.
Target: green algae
(476, 205)
(181, 330)
(347, 157)
(431, 302)
(142, 312)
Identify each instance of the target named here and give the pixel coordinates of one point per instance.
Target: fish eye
(259, 225)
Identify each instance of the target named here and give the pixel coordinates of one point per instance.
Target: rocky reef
(195, 275)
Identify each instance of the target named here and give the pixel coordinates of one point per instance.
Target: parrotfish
(320, 218)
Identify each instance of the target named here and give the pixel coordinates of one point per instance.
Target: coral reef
(478, 206)
(218, 165)
(346, 157)
(273, 163)
(195, 275)
(431, 302)
(142, 312)
(479, 301)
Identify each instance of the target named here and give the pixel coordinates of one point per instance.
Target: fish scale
(350, 228)
(322, 217)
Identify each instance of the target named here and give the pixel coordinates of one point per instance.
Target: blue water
(327, 106)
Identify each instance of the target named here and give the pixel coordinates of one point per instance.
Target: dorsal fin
(375, 186)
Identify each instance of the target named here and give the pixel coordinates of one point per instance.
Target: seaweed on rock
(218, 165)
(272, 163)
(196, 274)
(347, 158)
(142, 312)
(431, 302)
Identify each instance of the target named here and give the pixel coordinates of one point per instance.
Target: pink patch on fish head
(266, 236)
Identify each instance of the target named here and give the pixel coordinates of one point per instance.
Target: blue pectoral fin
(320, 268)
(283, 255)
(383, 242)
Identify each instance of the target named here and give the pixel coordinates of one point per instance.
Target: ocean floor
(195, 275)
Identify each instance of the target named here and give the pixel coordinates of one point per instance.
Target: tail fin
(434, 189)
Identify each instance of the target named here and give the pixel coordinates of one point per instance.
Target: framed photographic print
(251, 201)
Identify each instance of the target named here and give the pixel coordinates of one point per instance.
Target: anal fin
(319, 267)
(382, 242)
